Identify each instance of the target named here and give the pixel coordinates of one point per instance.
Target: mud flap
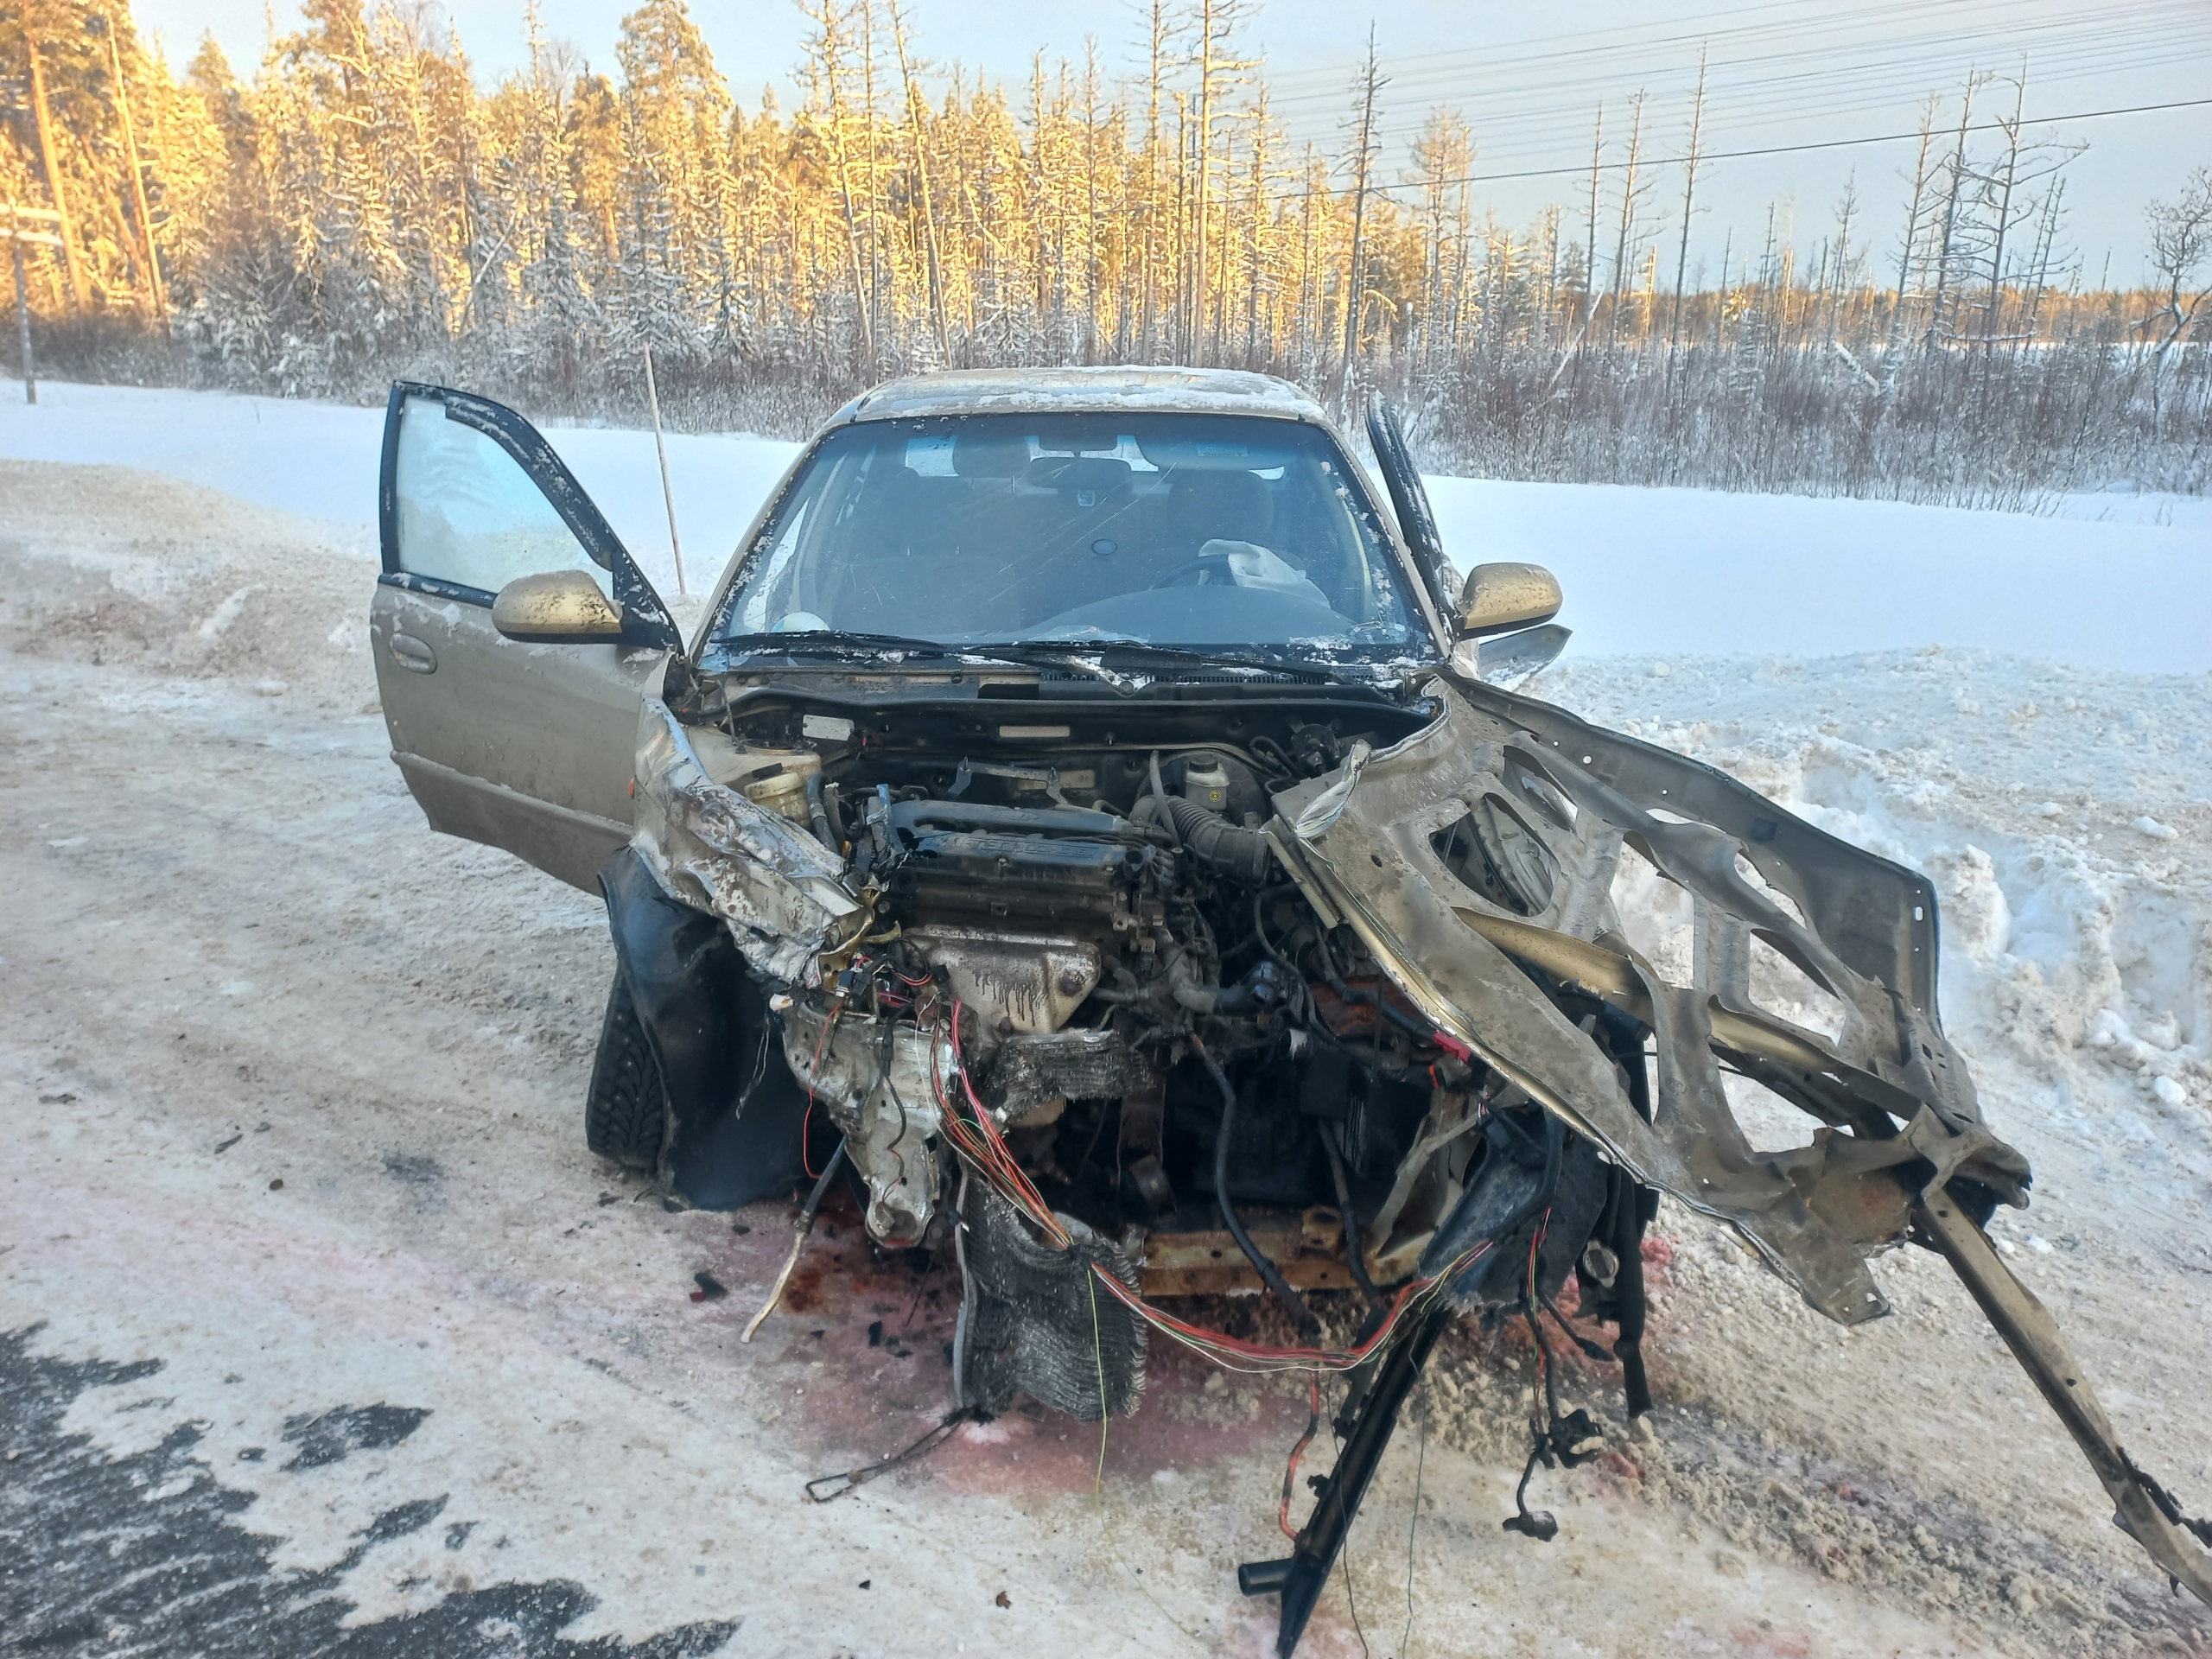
(737, 1110)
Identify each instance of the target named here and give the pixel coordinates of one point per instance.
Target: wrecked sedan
(1095, 821)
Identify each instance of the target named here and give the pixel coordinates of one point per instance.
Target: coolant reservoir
(775, 779)
(785, 790)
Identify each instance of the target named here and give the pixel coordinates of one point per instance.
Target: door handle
(412, 653)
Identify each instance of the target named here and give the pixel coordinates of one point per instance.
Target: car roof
(1083, 390)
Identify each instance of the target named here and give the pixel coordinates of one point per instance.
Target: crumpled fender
(774, 885)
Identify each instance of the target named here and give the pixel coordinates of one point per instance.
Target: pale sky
(1528, 78)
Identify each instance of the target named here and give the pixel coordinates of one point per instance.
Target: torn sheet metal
(776, 886)
(1487, 843)
(1027, 1072)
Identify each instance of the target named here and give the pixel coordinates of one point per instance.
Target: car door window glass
(469, 514)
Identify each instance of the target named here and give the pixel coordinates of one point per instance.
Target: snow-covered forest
(364, 205)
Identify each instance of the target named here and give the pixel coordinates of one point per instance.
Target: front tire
(626, 1113)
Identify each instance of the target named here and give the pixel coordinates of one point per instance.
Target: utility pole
(44, 117)
(16, 237)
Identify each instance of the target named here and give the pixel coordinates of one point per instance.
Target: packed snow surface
(291, 1088)
(2111, 581)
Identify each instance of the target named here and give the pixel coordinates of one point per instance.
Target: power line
(1758, 103)
(1582, 169)
(1852, 71)
(1589, 46)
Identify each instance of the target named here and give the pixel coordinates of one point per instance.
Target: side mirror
(1501, 597)
(560, 607)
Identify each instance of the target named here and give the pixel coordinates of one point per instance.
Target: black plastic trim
(1409, 499)
(737, 1111)
(435, 587)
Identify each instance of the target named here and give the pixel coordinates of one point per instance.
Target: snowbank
(2063, 814)
(2113, 581)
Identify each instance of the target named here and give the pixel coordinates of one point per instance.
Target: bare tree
(1367, 88)
(1683, 247)
(50, 154)
(1954, 186)
(1908, 248)
(916, 119)
(828, 52)
(2181, 249)
(1443, 156)
(1212, 25)
(2005, 200)
(1590, 234)
(1633, 189)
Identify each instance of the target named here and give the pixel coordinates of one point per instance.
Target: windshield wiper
(1139, 653)
(1082, 657)
(843, 642)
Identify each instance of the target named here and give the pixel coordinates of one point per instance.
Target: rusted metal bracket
(1309, 1255)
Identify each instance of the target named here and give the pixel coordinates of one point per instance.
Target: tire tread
(625, 1112)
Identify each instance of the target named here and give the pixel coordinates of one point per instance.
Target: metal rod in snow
(23, 324)
(668, 495)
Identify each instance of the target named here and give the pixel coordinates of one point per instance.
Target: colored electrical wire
(975, 1136)
(1233, 1354)
(1290, 1469)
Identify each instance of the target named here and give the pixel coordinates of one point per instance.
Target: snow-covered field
(2117, 581)
(292, 1089)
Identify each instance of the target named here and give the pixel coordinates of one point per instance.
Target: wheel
(625, 1115)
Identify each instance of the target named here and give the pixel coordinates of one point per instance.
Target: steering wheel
(1206, 564)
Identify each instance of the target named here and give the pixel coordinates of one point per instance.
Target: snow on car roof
(1104, 390)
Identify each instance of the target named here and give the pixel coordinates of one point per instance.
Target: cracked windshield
(1163, 530)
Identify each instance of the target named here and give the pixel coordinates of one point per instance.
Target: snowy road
(325, 1334)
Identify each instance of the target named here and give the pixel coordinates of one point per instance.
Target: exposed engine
(1097, 981)
(1299, 992)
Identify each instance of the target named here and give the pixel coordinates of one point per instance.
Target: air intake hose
(1242, 854)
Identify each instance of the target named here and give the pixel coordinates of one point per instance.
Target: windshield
(1189, 530)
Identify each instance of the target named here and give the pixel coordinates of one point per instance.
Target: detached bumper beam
(2032, 1335)
(1301, 1576)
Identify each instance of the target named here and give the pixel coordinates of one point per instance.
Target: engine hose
(1240, 854)
(1355, 1240)
(1293, 1304)
(1159, 794)
(818, 813)
(1183, 985)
